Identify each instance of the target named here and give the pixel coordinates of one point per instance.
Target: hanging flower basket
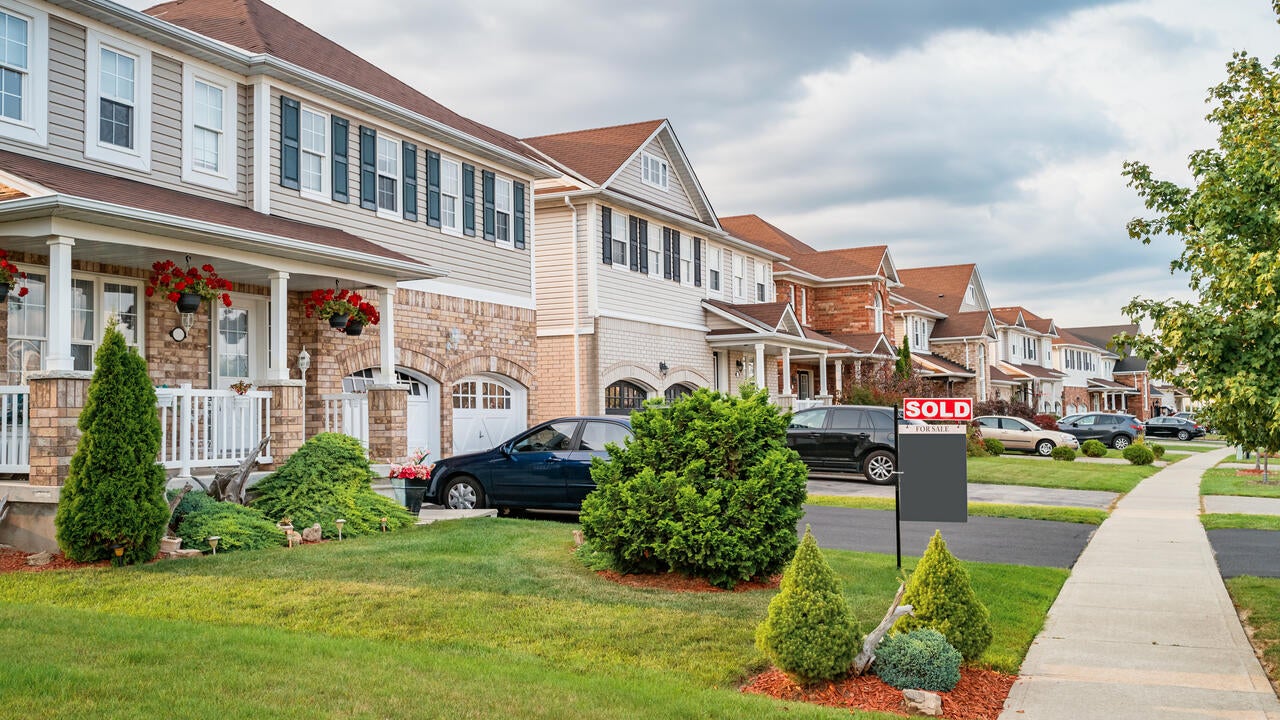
(354, 328)
(346, 311)
(188, 288)
(11, 276)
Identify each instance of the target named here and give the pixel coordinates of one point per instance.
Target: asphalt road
(1246, 552)
(984, 539)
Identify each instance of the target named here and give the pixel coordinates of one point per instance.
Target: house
(641, 291)
(1024, 352)
(224, 133)
(1089, 384)
(1129, 370)
(944, 313)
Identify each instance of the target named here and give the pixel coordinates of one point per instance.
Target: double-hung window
(313, 147)
(388, 175)
(653, 171)
(24, 72)
(715, 261)
(877, 308)
(618, 238)
(739, 276)
(208, 128)
(117, 102)
(686, 259)
(655, 250)
(451, 195)
(502, 206)
(760, 285)
(15, 64)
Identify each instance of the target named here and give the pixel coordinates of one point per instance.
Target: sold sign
(959, 409)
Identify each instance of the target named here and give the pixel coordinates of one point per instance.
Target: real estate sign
(934, 485)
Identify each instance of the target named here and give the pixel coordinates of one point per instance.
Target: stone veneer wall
(629, 350)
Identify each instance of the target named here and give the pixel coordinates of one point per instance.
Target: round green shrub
(238, 528)
(809, 634)
(1093, 448)
(707, 487)
(1064, 453)
(993, 446)
(1139, 454)
(943, 599)
(921, 659)
(1158, 450)
(326, 479)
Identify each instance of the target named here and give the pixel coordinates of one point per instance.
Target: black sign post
(897, 489)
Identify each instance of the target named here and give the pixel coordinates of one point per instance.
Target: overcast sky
(983, 131)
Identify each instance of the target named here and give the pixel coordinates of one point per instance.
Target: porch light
(737, 372)
(304, 362)
(662, 368)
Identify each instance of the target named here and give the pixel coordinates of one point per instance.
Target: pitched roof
(942, 288)
(90, 185)
(767, 315)
(1100, 335)
(595, 154)
(842, 263)
(965, 324)
(257, 27)
(757, 231)
(865, 343)
(943, 365)
(1035, 371)
(1104, 384)
(999, 376)
(1009, 316)
(1130, 364)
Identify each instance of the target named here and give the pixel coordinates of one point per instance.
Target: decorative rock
(40, 558)
(921, 702)
(578, 539)
(187, 553)
(312, 534)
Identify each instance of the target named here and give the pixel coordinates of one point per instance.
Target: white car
(1018, 434)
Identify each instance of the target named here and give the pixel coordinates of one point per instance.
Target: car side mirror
(505, 449)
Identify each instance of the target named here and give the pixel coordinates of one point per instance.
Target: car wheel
(463, 493)
(1044, 447)
(1120, 442)
(1184, 435)
(879, 467)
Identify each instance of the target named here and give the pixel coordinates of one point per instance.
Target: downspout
(577, 356)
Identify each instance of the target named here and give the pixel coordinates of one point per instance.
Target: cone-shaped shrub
(942, 596)
(114, 493)
(809, 634)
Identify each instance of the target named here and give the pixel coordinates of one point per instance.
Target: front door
(239, 356)
(804, 385)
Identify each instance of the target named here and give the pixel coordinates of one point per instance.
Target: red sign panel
(946, 409)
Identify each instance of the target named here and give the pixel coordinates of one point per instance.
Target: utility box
(934, 484)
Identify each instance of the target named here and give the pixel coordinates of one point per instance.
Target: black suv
(847, 439)
(1114, 429)
(1174, 427)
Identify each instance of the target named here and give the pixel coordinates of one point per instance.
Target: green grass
(1227, 521)
(1224, 481)
(491, 618)
(1087, 516)
(1170, 455)
(1006, 470)
(1259, 602)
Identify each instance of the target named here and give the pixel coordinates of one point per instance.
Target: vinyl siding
(674, 198)
(557, 270)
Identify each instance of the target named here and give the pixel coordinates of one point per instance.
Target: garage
(487, 409)
(423, 413)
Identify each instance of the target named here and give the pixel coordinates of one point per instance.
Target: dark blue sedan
(547, 466)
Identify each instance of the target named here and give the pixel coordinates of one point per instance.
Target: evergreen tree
(115, 490)
(902, 368)
(942, 596)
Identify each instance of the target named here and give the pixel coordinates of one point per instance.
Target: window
(24, 72)
(209, 129)
(502, 209)
(739, 276)
(814, 419)
(759, 274)
(686, 259)
(675, 392)
(470, 395)
(618, 234)
(313, 145)
(715, 260)
(971, 295)
(596, 435)
(1028, 348)
(233, 342)
(117, 102)
(655, 251)
(622, 397)
(388, 174)
(804, 305)
(94, 300)
(877, 309)
(653, 171)
(206, 138)
(15, 49)
(555, 437)
(451, 195)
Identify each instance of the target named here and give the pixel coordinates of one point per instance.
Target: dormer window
(653, 170)
(971, 295)
(117, 102)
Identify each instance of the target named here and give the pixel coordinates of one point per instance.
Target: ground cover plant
(1007, 470)
(1238, 521)
(920, 659)
(1054, 513)
(1258, 602)
(1225, 481)
(456, 612)
(237, 527)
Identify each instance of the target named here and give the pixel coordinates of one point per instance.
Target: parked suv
(1174, 426)
(847, 439)
(1018, 434)
(1114, 429)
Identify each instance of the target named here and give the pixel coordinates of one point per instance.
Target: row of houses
(517, 279)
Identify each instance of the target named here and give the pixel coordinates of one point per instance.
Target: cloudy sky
(987, 131)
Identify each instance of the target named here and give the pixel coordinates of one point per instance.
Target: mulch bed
(16, 561)
(675, 582)
(980, 695)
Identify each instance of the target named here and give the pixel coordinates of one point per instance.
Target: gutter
(577, 326)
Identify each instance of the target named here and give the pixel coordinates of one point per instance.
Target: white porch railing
(211, 428)
(347, 413)
(15, 440)
(814, 402)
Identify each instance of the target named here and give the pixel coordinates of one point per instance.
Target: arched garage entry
(423, 419)
(487, 409)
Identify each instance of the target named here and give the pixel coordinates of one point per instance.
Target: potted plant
(187, 288)
(336, 306)
(10, 276)
(365, 314)
(241, 387)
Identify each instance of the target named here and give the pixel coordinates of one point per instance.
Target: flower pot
(189, 302)
(355, 328)
(170, 544)
(338, 321)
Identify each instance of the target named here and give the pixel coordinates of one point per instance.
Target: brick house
(944, 313)
(223, 132)
(1024, 351)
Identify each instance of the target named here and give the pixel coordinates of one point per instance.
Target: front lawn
(1258, 600)
(1006, 470)
(1087, 516)
(1228, 521)
(1225, 481)
(482, 618)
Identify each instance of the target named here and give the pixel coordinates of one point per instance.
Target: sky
(985, 131)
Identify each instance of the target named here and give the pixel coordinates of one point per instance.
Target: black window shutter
(341, 170)
(290, 131)
(487, 181)
(675, 255)
(433, 190)
(468, 200)
(697, 262)
(643, 226)
(637, 257)
(666, 253)
(517, 196)
(368, 168)
(606, 236)
(409, 152)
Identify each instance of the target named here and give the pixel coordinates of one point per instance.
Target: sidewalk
(1144, 627)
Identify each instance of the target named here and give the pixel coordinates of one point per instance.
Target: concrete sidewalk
(1144, 627)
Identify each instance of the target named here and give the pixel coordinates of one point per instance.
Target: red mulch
(675, 582)
(16, 561)
(980, 695)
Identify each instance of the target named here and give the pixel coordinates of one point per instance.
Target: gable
(683, 194)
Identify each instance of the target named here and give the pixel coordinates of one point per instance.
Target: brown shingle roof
(998, 375)
(766, 314)
(1100, 335)
(842, 263)
(595, 154)
(1036, 371)
(941, 288)
(755, 230)
(946, 366)
(1009, 316)
(257, 27)
(90, 185)
(862, 342)
(965, 324)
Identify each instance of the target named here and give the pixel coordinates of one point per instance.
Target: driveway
(978, 492)
(1246, 552)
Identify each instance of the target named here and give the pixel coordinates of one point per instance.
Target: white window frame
(715, 269)
(655, 250)
(228, 158)
(618, 221)
(739, 276)
(139, 156)
(761, 288)
(659, 176)
(378, 174)
(326, 148)
(877, 308)
(503, 188)
(804, 305)
(33, 127)
(686, 259)
(456, 227)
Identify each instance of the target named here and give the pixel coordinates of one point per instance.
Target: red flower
(22, 291)
(180, 285)
(226, 300)
(174, 297)
(150, 291)
(207, 268)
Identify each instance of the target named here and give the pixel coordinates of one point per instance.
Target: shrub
(921, 659)
(974, 443)
(1158, 450)
(114, 493)
(1003, 407)
(1139, 454)
(993, 447)
(707, 487)
(326, 479)
(1063, 453)
(1093, 448)
(1047, 421)
(942, 596)
(809, 634)
(237, 527)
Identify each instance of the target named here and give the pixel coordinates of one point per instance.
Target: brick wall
(628, 350)
(1075, 396)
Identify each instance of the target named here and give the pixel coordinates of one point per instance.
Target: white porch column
(278, 362)
(387, 338)
(839, 376)
(784, 384)
(822, 374)
(760, 383)
(58, 311)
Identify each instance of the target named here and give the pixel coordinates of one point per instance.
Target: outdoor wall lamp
(304, 362)
(662, 369)
(737, 371)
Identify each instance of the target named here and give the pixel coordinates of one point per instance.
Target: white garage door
(423, 420)
(487, 409)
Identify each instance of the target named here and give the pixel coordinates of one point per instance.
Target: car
(847, 439)
(1018, 434)
(1174, 427)
(546, 467)
(1069, 418)
(1115, 429)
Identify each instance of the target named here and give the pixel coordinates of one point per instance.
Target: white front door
(423, 414)
(239, 355)
(486, 411)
